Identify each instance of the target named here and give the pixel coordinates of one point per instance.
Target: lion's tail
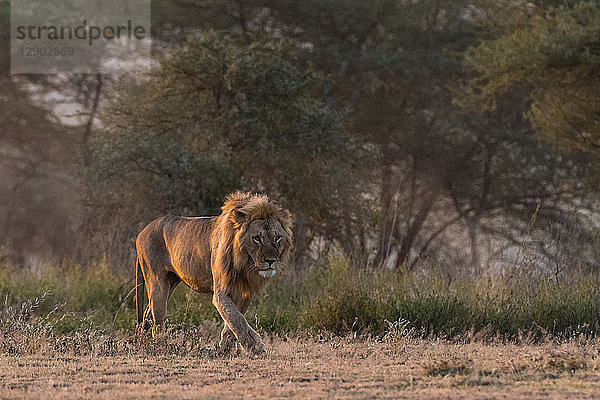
(140, 287)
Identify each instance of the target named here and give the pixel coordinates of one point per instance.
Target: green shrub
(337, 296)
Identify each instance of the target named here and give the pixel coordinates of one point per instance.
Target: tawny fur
(223, 255)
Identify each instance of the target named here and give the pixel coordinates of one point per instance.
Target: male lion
(231, 256)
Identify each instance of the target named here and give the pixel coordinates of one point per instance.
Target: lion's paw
(255, 347)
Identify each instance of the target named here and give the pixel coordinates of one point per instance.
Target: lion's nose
(269, 261)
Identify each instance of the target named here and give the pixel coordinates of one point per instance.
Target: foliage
(338, 297)
(342, 110)
(220, 113)
(554, 57)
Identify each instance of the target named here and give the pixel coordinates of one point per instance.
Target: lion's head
(261, 229)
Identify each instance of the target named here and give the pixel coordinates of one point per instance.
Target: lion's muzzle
(267, 273)
(268, 269)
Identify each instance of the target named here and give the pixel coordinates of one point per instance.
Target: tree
(232, 109)
(540, 60)
(37, 215)
(390, 62)
(554, 56)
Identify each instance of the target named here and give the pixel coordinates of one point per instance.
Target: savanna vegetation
(440, 159)
(337, 297)
(67, 333)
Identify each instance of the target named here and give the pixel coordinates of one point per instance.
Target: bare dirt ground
(314, 369)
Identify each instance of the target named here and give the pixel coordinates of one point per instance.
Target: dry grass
(69, 334)
(307, 368)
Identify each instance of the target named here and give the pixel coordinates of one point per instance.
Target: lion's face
(266, 241)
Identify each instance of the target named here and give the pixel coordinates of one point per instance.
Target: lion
(231, 256)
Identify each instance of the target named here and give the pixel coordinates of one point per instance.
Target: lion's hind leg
(158, 308)
(158, 294)
(147, 321)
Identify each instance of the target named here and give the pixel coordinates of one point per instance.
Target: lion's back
(180, 245)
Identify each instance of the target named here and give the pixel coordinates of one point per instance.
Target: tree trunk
(85, 140)
(86, 159)
(389, 211)
(415, 228)
(473, 227)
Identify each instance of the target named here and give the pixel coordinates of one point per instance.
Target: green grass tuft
(338, 297)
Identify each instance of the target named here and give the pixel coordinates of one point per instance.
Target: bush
(337, 296)
(340, 297)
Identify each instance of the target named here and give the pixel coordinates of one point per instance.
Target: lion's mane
(239, 209)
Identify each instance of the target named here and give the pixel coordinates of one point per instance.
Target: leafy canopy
(249, 106)
(554, 56)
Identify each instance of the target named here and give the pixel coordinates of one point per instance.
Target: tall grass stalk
(337, 296)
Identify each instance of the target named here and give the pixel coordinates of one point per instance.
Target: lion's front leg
(227, 340)
(235, 320)
(259, 345)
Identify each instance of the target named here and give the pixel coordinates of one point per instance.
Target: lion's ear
(286, 219)
(239, 216)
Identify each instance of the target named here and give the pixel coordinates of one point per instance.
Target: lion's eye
(256, 239)
(277, 239)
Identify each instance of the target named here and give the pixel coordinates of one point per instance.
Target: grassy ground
(336, 330)
(311, 368)
(337, 296)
